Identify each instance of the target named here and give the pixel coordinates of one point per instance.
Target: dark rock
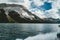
(58, 35)
(14, 15)
(3, 17)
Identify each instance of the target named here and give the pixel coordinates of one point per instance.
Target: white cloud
(26, 4)
(38, 2)
(52, 13)
(38, 13)
(49, 13)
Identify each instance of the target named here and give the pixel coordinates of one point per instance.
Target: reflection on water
(27, 31)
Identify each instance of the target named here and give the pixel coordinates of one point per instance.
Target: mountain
(19, 14)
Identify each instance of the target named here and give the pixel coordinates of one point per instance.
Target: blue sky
(45, 6)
